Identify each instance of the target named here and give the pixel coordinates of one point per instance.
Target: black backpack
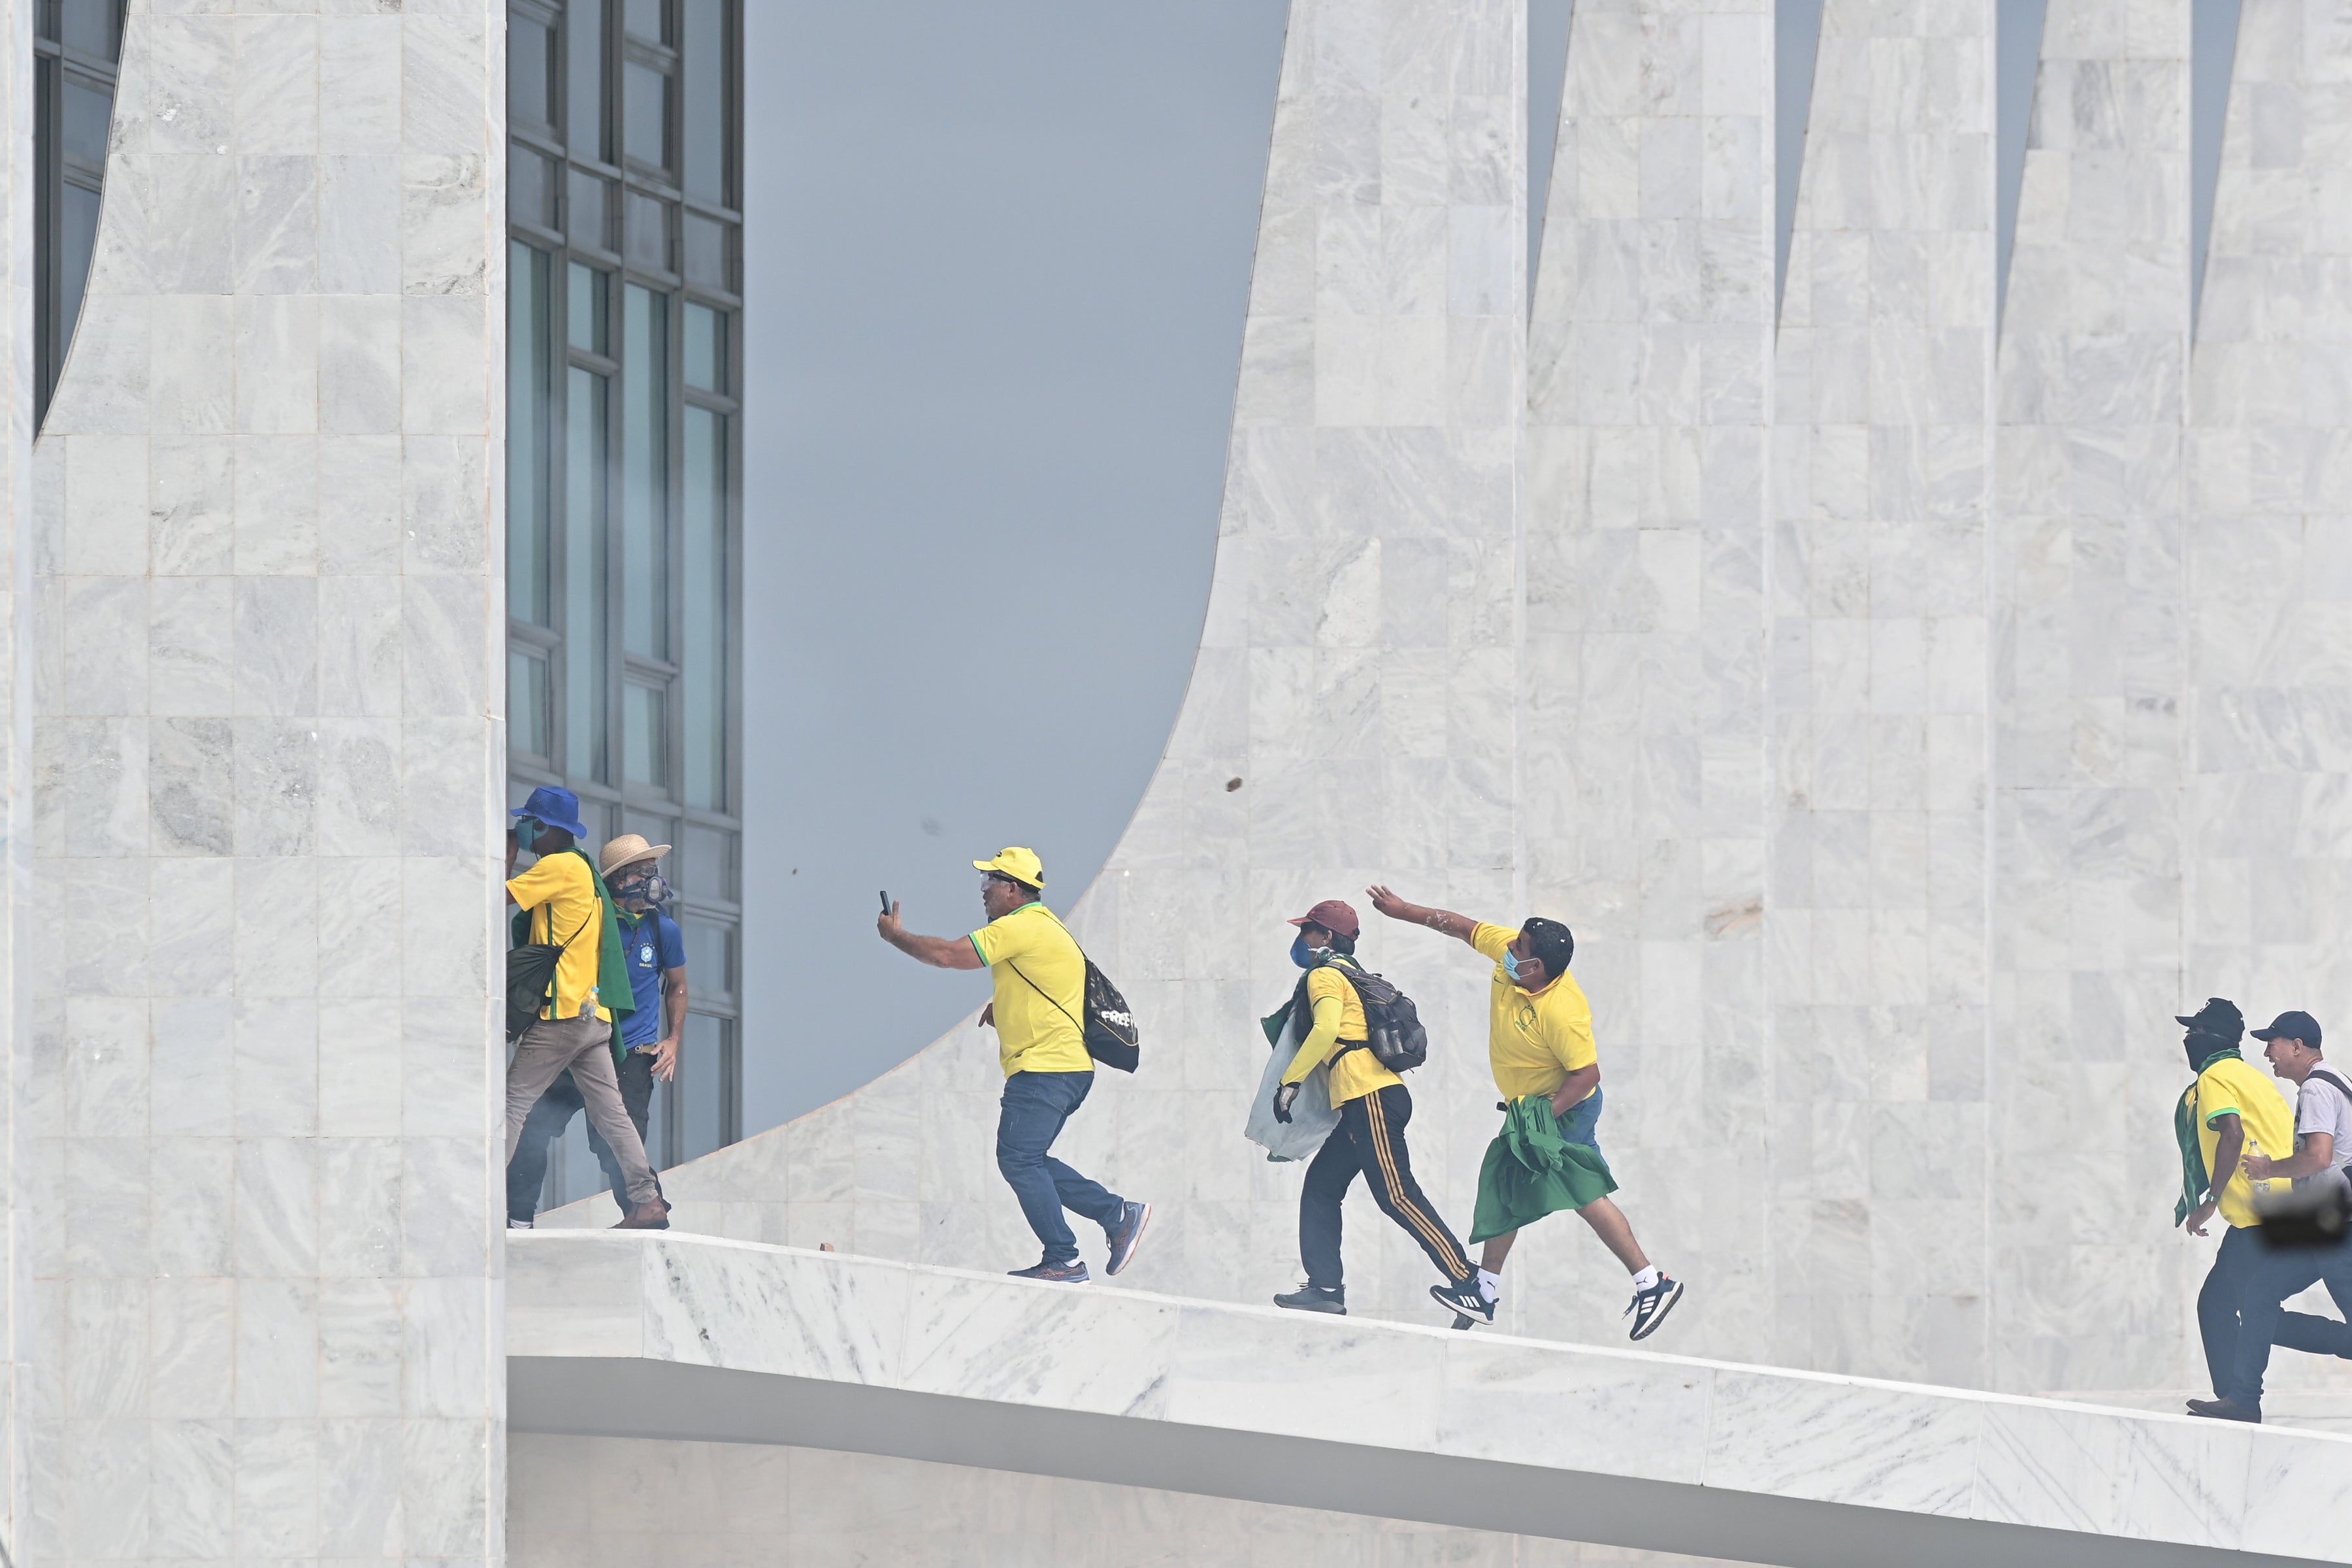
(530, 973)
(1393, 1027)
(1109, 1026)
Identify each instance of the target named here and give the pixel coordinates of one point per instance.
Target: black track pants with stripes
(1371, 1139)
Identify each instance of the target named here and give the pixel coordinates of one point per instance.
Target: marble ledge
(1950, 1454)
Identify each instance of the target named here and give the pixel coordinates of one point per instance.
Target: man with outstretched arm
(1041, 993)
(1540, 1044)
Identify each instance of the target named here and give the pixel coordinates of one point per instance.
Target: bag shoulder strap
(593, 904)
(2338, 1084)
(1048, 995)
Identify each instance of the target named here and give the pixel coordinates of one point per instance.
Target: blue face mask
(1511, 966)
(1301, 955)
(526, 832)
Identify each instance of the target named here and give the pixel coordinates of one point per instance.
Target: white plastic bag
(1311, 1116)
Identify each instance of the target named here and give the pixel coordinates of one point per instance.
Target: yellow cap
(1021, 864)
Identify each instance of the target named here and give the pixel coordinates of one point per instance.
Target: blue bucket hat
(554, 806)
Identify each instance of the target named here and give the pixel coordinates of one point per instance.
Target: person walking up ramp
(1374, 1106)
(1041, 994)
(1546, 1157)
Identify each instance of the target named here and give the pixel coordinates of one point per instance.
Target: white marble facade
(254, 1165)
(1909, 707)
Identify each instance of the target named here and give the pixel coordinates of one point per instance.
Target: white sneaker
(519, 1224)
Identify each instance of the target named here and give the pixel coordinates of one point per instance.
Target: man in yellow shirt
(1373, 1106)
(1040, 995)
(564, 895)
(1539, 1042)
(2236, 1110)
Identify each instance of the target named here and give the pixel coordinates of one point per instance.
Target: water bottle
(2255, 1146)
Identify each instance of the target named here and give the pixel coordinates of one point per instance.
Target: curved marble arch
(1909, 707)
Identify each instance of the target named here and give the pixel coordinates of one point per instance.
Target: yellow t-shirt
(1534, 1039)
(2267, 1116)
(1037, 1016)
(1354, 1074)
(559, 892)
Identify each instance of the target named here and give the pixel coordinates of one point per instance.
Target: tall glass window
(624, 488)
(76, 50)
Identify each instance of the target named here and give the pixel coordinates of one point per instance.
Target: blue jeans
(2263, 1320)
(1030, 1118)
(1583, 1122)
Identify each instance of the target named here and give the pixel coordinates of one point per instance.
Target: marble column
(1881, 784)
(268, 757)
(18, 918)
(1643, 766)
(2089, 671)
(2265, 719)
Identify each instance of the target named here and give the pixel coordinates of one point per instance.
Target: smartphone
(886, 903)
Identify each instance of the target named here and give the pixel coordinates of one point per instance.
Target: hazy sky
(997, 262)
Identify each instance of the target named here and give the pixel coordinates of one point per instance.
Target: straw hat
(628, 849)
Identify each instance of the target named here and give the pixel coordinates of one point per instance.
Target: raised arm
(1444, 921)
(939, 952)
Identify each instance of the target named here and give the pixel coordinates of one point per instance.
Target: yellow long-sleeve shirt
(1338, 1019)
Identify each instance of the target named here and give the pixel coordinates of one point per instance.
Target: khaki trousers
(552, 1046)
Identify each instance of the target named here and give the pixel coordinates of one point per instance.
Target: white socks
(1490, 1285)
(1647, 1279)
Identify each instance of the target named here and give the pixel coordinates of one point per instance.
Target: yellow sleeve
(1319, 1042)
(543, 881)
(2223, 1102)
(1490, 941)
(999, 940)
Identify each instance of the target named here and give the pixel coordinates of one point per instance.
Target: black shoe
(1073, 1272)
(1315, 1299)
(2224, 1410)
(1466, 1299)
(1123, 1236)
(1649, 1308)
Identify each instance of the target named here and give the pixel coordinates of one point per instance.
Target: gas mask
(649, 888)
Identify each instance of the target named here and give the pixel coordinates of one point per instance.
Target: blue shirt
(654, 943)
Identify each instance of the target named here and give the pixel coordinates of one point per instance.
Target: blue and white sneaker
(1649, 1308)
(1124, 1236)
(1467, 1301)
(1073, 1272)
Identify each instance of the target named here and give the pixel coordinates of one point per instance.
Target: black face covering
(2203, 1049)
(2214, 1031)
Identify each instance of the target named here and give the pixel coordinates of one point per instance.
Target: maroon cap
(1334, 916)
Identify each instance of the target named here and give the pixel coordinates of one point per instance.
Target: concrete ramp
(674, 1336)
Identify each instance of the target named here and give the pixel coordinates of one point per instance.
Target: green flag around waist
(1531, 1170)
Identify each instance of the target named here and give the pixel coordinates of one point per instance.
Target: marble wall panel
(32, 1370)
(265, 564)
(1879, 706)
(579, 1500)
(2088, 677)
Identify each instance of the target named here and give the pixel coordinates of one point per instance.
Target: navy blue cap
(2291, 1026)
